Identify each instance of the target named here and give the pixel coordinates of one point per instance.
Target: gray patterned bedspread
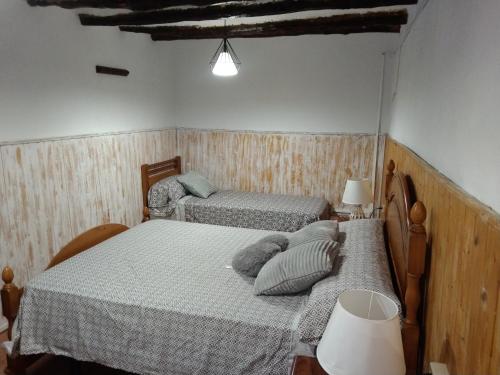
(361, 264)
(285, 213)
(158, 299)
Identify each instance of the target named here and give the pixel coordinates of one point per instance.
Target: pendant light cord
(376, 190)
(225, 31)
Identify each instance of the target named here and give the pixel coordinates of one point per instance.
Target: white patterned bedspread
(284, 213)
(158, 299)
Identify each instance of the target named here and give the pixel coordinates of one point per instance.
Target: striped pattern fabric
(296, 269)
(361, 264)
(325, 230)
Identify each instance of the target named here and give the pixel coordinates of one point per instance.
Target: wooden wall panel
(53, 190)
(284, 163)
(462, 316)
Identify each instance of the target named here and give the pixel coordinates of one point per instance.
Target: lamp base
(357, 213)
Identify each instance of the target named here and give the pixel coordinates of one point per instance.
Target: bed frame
(406, 241)
(406, 246)
(11, 294)
(151, 174)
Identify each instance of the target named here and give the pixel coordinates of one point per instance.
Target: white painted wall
(446, 107)
(48, 85)
(308, 83)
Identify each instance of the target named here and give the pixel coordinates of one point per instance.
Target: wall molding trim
(94, 135)
(277, 132)
(80, 136)
(446, 180)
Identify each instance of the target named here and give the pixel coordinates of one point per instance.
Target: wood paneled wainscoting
(462, 316)
(282, 163)
(52, 190)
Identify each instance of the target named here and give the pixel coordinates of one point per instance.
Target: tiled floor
(58, 366)
(50, 367)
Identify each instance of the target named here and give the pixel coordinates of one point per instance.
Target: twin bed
(285, 213)
(160, 298)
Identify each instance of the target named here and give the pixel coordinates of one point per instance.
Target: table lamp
(357, 193)
(363, 336)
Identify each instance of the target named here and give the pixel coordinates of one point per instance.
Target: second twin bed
(164, 197)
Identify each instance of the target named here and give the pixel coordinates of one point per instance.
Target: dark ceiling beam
(232, 10)
(276, 32)
(124, 4)
(383, 22)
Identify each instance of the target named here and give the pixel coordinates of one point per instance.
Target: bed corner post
(145, 214)
(145, 190)
(11, 297)
(178, 164)
(416, 265)
(388, 177)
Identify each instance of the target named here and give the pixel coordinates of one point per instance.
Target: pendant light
(225, 63)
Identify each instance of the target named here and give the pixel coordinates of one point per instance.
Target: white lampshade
(225, 66)
(357, 191)
(225, 62)
(363, 336)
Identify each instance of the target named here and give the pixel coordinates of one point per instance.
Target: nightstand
(306, 366)
(340, 217)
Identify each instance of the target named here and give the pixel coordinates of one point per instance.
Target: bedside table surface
(307, 366)
(340, 217)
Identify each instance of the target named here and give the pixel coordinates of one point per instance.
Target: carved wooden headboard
(406, 244)
(152, 173)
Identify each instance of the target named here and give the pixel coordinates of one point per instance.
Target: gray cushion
(278, 239)
(319, 230)
(251, 259)
(197, 185)
(296, 269)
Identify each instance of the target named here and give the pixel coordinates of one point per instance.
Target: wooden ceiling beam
(258, 32)
(125, 4)
(383, 22)
(232, 10)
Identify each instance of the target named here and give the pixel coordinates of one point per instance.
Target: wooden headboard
(152, 173)
(406, 245)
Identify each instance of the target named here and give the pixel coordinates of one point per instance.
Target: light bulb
(225, 66)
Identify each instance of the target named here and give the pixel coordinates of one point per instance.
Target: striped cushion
(329, 226)
(296, 269)
(321, 230)
(197, 185)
